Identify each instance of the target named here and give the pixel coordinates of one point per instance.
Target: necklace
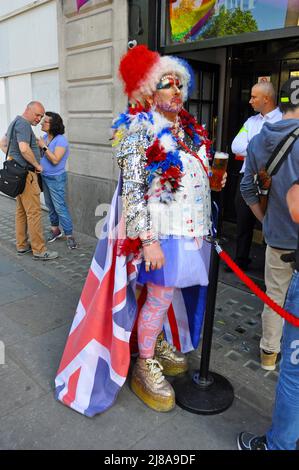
(177, 129)
(194, 154)
(163, 157)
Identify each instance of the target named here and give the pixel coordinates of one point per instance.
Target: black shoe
(52, 236)
(71, 243)
(249, 441)
(24, 251)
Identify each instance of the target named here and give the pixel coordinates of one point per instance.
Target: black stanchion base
(204, 397)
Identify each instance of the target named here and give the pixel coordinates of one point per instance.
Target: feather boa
(164, 166)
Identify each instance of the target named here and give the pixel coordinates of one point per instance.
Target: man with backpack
(280, 232)
(284, 431)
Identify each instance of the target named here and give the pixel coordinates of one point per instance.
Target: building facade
(29, 63)
(68, 60)
(231, 45)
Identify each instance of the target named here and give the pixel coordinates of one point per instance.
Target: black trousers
(245, 225)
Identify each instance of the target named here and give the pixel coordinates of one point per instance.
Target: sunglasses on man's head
(169, 81)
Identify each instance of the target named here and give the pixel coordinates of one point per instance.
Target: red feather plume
(135, 65)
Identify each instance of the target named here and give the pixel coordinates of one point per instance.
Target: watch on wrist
(45, 148)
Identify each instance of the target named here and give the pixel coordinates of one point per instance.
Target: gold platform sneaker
(268, 361)
(173, 361)
(150, 385)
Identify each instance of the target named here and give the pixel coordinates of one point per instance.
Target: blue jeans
(54, 192)
(284, 431)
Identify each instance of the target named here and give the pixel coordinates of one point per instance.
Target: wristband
(149, 241)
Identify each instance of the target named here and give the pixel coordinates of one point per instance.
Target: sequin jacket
(131, 159)
(187, 215)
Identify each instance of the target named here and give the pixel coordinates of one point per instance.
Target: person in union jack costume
(164, 159)
(154, 238)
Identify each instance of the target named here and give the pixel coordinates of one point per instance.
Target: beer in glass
(219, 166)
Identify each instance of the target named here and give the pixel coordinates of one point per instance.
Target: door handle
(214, 128)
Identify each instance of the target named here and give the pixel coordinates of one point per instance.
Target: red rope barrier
(255, 289)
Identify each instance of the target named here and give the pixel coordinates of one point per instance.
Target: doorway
(203, 102)
(276, 60)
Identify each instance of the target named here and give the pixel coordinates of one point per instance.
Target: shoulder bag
(13, 175)
(263, 178)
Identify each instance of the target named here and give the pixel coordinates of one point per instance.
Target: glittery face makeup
(169, 81)
(168, 97)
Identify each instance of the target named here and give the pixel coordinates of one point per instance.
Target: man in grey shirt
(25, 151)
(23, 133)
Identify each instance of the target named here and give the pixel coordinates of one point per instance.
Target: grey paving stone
(41, 355)
(233, 356)
(189, 431)
(41, 313)
(8, 267)
(47, 424)
(12, 289)
(35, 285)
(10, 332)
(17, 389)
(34, 328)
(263, 403)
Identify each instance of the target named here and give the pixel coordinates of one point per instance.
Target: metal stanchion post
(202, 391)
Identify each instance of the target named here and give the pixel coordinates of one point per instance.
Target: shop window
(195, 20)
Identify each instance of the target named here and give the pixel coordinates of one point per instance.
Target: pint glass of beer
(219, 166)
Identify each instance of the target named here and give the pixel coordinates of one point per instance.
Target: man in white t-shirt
(263, 101)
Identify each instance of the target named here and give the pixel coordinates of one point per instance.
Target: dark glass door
(276, 61)
(203, 103)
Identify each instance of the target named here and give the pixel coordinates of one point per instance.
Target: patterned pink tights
(151, 318)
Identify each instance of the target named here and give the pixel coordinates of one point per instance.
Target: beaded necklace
(163, 158)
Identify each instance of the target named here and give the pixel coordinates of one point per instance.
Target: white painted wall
(3, 108)
(45, 88)
(19, 94)
(29, 40)
(28, 58)
(7, 6)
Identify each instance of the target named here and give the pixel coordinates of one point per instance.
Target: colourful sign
(80, 3)
(187, 17)
(201, 19)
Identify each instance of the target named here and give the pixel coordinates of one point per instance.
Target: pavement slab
(37, 303)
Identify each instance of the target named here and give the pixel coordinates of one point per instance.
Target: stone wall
(90, 45)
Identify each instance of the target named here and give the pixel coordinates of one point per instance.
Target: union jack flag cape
(96, 357)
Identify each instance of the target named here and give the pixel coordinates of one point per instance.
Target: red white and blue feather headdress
(142, 69)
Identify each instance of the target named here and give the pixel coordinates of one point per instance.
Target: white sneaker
(47, 255)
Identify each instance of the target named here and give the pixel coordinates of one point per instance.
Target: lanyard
(182, 144)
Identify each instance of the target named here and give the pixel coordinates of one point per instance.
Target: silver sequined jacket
(131, 159)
